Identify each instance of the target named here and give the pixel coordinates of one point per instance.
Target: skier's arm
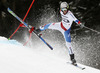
(76, 20)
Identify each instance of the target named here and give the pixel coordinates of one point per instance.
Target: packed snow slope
(16, 58)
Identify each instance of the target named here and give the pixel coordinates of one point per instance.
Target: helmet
(64, 5)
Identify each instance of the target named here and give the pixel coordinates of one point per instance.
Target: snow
(16, 58)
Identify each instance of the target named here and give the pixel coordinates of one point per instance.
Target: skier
(64, 27)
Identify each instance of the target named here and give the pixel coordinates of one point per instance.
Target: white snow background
(16, 58)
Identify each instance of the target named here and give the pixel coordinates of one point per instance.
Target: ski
(76, 65)
(19, 19)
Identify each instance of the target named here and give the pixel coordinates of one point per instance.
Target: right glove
(81, 25)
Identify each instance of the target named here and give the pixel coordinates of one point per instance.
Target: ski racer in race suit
(64, 27)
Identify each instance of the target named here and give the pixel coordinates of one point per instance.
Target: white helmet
(64, 5)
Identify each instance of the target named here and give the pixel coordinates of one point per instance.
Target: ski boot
(73, 59)
(37, 31)
(33, 29)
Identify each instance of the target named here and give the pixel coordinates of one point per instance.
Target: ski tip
(83, 68)
(51, 48)
(8, 9)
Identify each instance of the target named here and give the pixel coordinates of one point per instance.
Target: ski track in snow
(16, 58)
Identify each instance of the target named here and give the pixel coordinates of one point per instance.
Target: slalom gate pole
(19, 19)
(92, 29)
(28, 10)
(13, 33)
(28, 39)
(23, 20)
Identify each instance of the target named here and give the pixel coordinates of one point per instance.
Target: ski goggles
(64, 9)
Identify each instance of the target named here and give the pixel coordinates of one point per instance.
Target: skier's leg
(69, 46)
(72, 56)
(44, 27)
(55, 26)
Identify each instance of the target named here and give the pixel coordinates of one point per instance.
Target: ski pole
(83, 26)
(92, 29)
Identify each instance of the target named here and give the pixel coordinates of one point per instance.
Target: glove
(81, 25)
